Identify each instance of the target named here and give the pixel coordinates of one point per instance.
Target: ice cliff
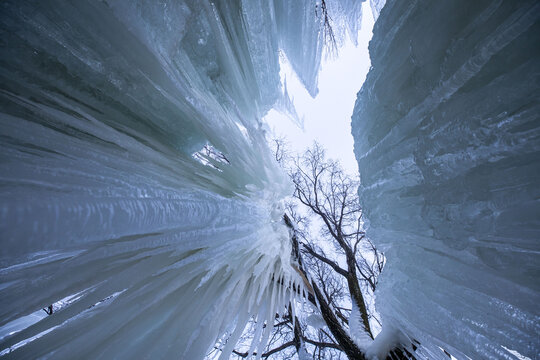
(446, 132)
(138, 195)
(137, 192)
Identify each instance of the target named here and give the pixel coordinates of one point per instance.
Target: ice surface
(446, 134)
(376, 7)
(111, 112)
(105, 190)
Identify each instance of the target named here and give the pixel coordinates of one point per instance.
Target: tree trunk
(345, 342)
(356, 294)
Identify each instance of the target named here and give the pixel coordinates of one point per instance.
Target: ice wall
(135, 177)
(446, 132)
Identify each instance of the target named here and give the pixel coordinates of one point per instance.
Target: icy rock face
(376, 7)
(446, 132)
(135, 173)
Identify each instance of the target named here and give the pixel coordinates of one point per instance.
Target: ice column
(446, 132)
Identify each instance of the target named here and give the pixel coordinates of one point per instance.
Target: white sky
(328, 115)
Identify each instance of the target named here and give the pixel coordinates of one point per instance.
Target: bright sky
(328, 115)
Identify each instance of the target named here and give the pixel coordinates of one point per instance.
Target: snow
(386, 340)
(356, 329)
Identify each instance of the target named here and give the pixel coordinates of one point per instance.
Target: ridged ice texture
(105, 194)
(303, 41)
(446, 132)
(376, 7)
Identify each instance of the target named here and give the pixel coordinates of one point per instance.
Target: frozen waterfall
(137, 187)
(138, 195)
(446, 134)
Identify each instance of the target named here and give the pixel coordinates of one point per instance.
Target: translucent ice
(134, 169)
(446, 134)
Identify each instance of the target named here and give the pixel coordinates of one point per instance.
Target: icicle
(104, 185)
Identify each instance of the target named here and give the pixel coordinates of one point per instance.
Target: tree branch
(327, 261)
(268, 353)
(323, 344)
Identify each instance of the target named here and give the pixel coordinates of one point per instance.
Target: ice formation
(135, 175)
(139, 199)
(446, 131)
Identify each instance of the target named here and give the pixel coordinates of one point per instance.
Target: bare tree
(338, 263)
(343, 264)
(330, 195)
